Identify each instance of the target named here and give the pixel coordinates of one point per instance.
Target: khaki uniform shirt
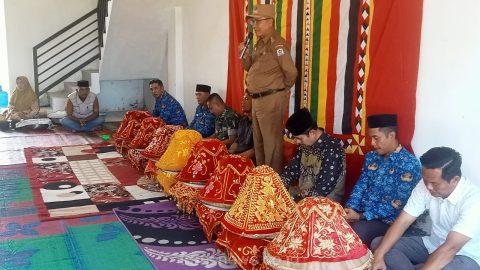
(270, 66)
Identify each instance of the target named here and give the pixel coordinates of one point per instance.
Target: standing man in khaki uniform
(271, 74)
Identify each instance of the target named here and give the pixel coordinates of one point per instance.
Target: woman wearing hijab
(23, 102)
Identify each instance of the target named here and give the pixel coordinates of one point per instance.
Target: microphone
(246, 43)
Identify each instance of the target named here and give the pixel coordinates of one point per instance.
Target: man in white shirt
(82, 110)
(454, 205)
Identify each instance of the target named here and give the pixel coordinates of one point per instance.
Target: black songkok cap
(203, 88)
(83, 83)
(382, 120)
(299, 122)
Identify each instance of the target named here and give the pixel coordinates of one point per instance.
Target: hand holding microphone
(245, 44)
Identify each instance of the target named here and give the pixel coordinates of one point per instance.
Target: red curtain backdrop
(235, 80)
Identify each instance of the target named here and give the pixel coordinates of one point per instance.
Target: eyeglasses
(254, 21)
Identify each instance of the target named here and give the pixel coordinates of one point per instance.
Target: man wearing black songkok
(318, 165)
(388, 177)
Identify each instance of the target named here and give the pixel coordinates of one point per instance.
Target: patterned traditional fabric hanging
(176, 156)
(317, 236)
(199, 168)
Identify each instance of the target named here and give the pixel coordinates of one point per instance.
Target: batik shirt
(385, 185)
(203, 122)
(318, 168)
(168, 108)
(226, 124)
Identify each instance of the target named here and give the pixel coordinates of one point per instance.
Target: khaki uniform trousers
(267, 122)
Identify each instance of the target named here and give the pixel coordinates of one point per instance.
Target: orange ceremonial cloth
(317, 236)
(203, 160)
(220, 191)
(128, 129)
(222, 188)
(246, 252)
(160, 141)
(144, 135)
(210, 219)
(199, 168)
(176, 156)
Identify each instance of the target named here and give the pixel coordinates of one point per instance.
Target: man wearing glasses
(319, 164)
(271, 74)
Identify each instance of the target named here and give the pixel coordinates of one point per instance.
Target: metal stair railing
(69, 50)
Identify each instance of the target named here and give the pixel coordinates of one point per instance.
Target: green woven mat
(105, 246)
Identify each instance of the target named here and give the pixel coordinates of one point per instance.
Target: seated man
(243, 144)
(226, 121)
(453, 202)
(166, 106)
(388, 176)
(318, 165)
(82, 110)
(204, 120)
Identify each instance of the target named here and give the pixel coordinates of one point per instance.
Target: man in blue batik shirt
(166, 106)
(204, 120)
(388, 177)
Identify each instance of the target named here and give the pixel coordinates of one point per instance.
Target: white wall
(4, 80)
(144, 37)
(137, 40)
(28, 22)
(205, 48)
(448, 92)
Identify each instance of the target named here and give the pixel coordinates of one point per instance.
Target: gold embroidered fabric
(262, 206)
(166, 179)
(179, 150)
(317, 236)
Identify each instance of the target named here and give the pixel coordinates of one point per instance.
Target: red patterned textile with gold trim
(127, 131)
(200, 166)
(185, 195)
(136, 159)
(150, 169)
(317, 236)
(246, 252)
(203, 160)
(262, 206)
(222, 188)
(126, 118)
(147, 128)
(160, 141)
(210, 219)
